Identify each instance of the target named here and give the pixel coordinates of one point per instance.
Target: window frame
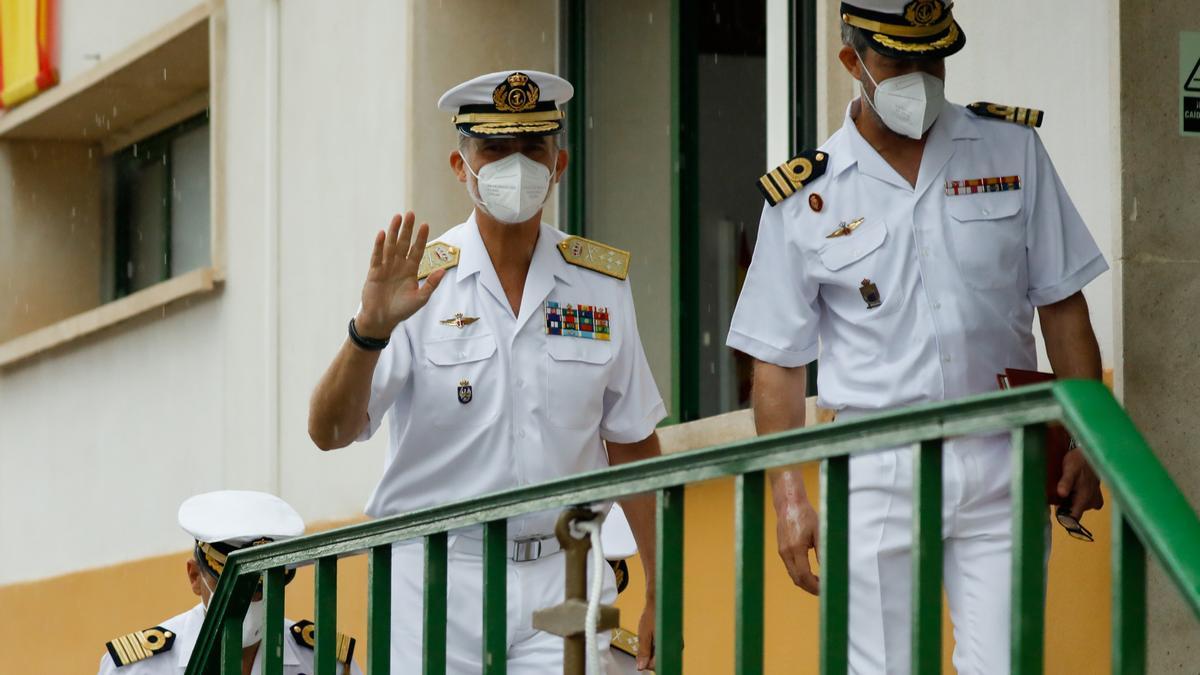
(49, 117)
(685, 198)
(127, 160)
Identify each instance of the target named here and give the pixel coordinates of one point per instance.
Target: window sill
(197, 282)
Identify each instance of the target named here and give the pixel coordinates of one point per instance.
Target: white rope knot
(591, 528)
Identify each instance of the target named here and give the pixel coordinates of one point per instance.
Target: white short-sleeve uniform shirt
(297, 658)
(540, 406)
(958, 275)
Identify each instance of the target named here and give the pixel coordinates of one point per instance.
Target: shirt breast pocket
(987, 238)
(460, 384)
(851, 260)
(576, 377)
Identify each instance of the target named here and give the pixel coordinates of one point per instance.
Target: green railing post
(668, 622)
(435, 604)
(272, 642)
(748, 575)
(495, 597)
(325, 628)
(834, 545)
(927, 558)
(231, 645)
(1154, 515)
(379, 610)
(1029, 549)
(1129, 598)
(231, 626)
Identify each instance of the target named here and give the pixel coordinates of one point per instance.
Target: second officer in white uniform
(910, 252)
(504, 354)
(220, 523)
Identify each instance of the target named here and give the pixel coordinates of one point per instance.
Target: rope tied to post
(591, 528)
(580, 617)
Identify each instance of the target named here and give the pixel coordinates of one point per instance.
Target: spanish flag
(27, 49)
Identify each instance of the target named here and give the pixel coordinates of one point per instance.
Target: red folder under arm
(1058, 441)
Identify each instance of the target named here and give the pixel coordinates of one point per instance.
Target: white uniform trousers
(532, 586)
(977, 557)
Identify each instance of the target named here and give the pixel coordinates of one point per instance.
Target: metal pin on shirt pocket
(870, 294)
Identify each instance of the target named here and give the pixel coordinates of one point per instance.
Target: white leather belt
(526, 549)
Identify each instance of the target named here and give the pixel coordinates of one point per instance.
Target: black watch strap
(366, 343)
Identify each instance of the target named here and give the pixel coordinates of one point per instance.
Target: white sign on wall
(1189, 84)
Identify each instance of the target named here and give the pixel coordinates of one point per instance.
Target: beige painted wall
(50, 233)
(449, 48)
(1159, 281)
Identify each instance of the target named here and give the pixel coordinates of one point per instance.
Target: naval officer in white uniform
(503, 354)
(910, 253)
(221, 523)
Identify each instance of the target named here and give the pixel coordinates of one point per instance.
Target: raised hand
(392, 293)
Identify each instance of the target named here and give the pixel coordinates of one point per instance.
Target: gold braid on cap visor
(950, 38)
(898, 30)
(214, 560)
(508, 118)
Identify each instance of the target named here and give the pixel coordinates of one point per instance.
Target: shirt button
(520, 433)
(937, 305)
(925, 252)
(986, 212)
(462, 355)
(946, 358)
(520, 384)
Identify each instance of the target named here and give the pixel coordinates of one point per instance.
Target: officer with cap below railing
(220, 523)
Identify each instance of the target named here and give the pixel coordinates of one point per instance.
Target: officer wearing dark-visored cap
(917, 245)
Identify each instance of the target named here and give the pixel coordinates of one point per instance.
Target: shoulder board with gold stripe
(625, 641)
(1030, 117)
(304, 633)
(790, 177)
(140, 645)
(438, 256)
(595, 256)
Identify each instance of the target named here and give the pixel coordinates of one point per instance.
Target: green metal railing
(1150, 515)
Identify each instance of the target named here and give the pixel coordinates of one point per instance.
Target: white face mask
(256, 616)
(512, 189)
(908, 104)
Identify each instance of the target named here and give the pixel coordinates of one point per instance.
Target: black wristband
(366, 343)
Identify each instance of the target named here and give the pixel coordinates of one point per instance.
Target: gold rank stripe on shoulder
(595, 256)
(140, 645)
(438, 256)
(625, 641)
(304, 633)
(1030, 117)
(790, 177)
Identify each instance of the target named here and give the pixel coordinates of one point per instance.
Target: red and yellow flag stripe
(28, 49)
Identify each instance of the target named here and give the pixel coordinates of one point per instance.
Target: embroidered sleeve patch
(595, 256)
(790, 177)
(140, 645)
(304, 633)
(1030, 117)
(438, 256)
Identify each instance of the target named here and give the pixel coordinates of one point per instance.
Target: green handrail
(1151, 512)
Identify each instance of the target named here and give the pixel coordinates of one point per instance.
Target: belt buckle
(525, 550)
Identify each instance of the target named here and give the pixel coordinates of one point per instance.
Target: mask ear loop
(863, 62)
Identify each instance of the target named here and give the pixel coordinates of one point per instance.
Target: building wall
(1159, 276)
(213, 393)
